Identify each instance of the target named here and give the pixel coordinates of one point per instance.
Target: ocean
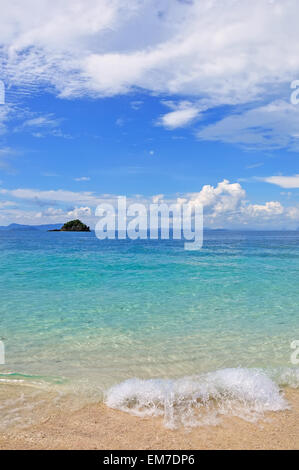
(148, 327)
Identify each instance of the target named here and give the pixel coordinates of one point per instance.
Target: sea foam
(202, 399)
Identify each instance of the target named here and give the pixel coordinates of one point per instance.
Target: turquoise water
(82, 315)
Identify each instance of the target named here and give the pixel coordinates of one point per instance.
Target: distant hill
(58, 227)
(13, 227)
(48, 227)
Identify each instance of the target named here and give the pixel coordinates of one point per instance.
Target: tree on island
(73, 226)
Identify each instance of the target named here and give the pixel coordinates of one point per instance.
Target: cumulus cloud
(223, 198)
(226, 205)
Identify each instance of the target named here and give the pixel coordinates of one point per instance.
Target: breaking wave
(203, 399)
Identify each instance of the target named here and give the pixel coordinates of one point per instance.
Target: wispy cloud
(120, 122)
(136, 105)
(59, 195)
(6, 154)
(82, 178)
(42, 126)
(41, 121)
(271, 126)
(5, 113)
(254, 165)
(287, 182)
(50, 174)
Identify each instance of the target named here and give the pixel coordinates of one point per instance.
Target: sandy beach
(98, 427)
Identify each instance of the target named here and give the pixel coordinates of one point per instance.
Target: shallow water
(79, 316)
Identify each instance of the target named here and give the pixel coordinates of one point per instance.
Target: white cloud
(283, 181)
(225, 197)
(80, 212)
(58, 214)
(41, 121)
(52, 212)
(157, 199)
(55, 25)
(183, 114)
(120, 122)
(43, 125)
(293, 213)
(179, 118)
(4, 204)
(136, 105)
(6, 153)
(254, 165)
(82, 178)
(268, 209)
(272, 126)
(205, 50)
(225, 205)
(59, 195)
(5, 111)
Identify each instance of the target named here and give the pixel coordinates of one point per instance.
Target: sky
(173, 100)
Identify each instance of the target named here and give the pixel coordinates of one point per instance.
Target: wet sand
(98, 427)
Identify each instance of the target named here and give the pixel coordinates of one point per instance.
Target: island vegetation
(73, 226)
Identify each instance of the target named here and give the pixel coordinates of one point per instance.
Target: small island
(72, 226)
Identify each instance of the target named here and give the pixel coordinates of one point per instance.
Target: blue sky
(185, 103)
